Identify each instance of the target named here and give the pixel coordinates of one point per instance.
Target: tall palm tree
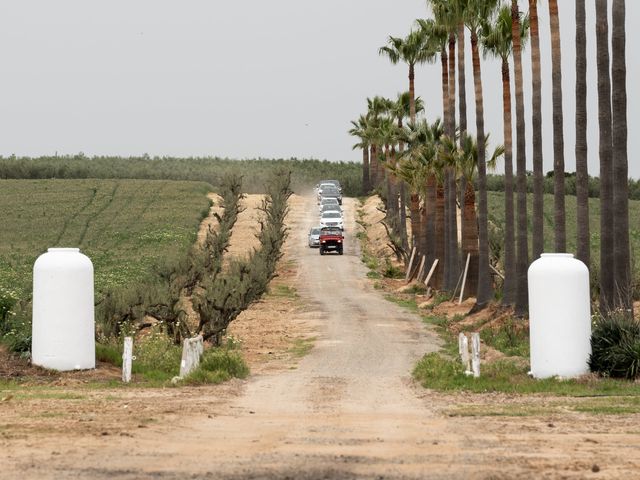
(606, 167)
(536, 124)
(359, 130)
(621, 253)
(497, 42)
(438, 32)
(559, 227)
(477, 12)
(412, 50)
(447, 14)
(522, 249)
(582, 172)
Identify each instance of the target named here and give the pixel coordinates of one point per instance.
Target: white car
(330, 208)
(332, 218)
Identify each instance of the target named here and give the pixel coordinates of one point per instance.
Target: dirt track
(348, 410)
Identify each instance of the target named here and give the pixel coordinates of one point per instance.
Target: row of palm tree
(427, 158)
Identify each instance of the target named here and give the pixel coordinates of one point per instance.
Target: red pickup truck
(331, 239)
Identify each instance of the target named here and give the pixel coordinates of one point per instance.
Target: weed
(216, 366)
(511, 338)
(301, 347)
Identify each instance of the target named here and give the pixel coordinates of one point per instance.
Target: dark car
(331, 239)
(331, 193)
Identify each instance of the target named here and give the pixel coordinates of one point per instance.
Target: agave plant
(615, 346)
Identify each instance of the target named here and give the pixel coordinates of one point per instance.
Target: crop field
(125, 226)
(496, 217)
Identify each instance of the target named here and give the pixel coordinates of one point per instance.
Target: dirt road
(348, 410)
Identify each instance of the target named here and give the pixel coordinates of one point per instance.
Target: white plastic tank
(63, 332)
(559, 316)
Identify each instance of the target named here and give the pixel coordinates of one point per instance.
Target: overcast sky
(242, 78)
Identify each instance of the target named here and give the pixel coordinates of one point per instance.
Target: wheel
(340, 252)
(321, 251)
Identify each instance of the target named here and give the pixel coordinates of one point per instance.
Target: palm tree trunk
(560, 230)
(429, 223)
(485, 288)
(391, 203)
(582, 172)
(536, 121)
(470, 237)
(373, 166)
(509, 288)
(451, 224)
(412, 94)
(522, 253)
(622, 256)
(440, 235)
(462, 94)
(416, 225)
(402, 194)
(606, 162)
(366, 186)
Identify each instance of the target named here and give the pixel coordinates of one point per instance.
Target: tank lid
(557, 255)
(63, 250)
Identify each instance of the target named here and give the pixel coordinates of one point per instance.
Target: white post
(433, 269)
(408, 275)
(192, 349)
(475, 354)
(463, 349)
(127, 358)
(464, 278)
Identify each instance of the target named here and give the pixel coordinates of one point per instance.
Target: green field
(496, 216)
(124, 226)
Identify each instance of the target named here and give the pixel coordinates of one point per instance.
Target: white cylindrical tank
(559, 316)
(63, 332)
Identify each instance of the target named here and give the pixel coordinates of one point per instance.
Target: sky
(246, 78)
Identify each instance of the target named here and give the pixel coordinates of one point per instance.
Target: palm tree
(414, 167)
(622, 258)
(477, 12)
(560, 234)
(412, 50)
(466, 160)
(448, 14)
(438, 32)
(522, 249)
(360, 130)
(497, 42)
(401, 110)
(606, 167)
(582, 172)
(536, 122)
(376, 108)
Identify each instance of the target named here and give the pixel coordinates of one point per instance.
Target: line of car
(328, 234)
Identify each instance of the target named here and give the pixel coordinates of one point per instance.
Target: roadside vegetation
(182, 289)
(432, 173)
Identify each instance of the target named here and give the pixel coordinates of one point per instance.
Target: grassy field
(304, 172)
(496, 216)
(124, 226)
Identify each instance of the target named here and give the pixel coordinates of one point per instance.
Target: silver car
(314, 237)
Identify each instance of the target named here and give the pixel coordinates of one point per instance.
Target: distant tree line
(304, 172)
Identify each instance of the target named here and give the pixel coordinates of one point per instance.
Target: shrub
(615, 346)
(216, 366)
